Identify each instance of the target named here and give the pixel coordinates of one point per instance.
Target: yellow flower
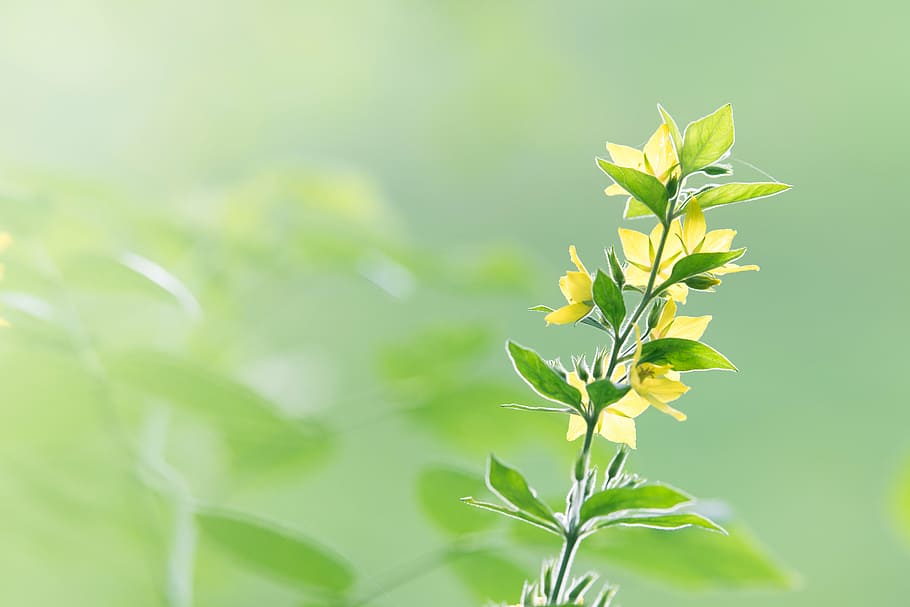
(577, 288)
(658, 158)
(613, 424)
(640, 251)
(652, 385)
(696, 239)
(682, 327)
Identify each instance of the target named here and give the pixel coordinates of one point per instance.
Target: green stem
(573, 537)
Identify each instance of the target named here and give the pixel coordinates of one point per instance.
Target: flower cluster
(635, 301)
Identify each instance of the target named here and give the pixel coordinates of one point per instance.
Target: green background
(359, 201)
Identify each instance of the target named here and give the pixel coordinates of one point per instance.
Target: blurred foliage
(324, 188)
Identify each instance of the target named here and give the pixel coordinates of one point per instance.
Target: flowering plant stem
(573, 537)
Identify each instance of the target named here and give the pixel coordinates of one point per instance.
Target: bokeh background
(265, 256)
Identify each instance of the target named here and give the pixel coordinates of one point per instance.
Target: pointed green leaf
(518, 407)
(643, 187)
(511, 486)
(707, 140)
(604, 392)
(667, 522)
(729, 193)
(697, 263)
(490, 577)
(541, 308)
(609, 299)
(684, 355)
(671, 124)
(511, 513)
(276, 552)
(646, 497)
(635, 209)
(543, 379)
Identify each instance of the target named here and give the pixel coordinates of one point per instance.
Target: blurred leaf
(488, 576)
(275, 552)
(684, 355)
(434, 352)
(509, 484)
(707, 140)
(541, 377)
(645, 497)
(609, 299)
(730, 193)
(643, 187)
(260, 437)
(902, 501)
(691, 558)
(439, 492)
(667, 522)
(697, 263)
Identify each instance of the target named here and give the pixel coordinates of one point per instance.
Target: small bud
(672, 185)
(654, 314)
(605, 598)
(616, 465)
(619, 277)
(578, 589)
(581, 368)
(702, 282)
(718, 170)
(599, 366)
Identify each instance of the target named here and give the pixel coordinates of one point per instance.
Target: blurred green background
(266, 254)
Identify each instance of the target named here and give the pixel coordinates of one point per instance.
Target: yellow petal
(665, 320)
(666, 390)
(630, 405)
(660, 153)
(577, 427)
(732, 268)
(618, 372)
(615, 190)
(694, 227)
(576, 287)
(635, 247)
(637, 277)
(678, 292)
(617, 428)
(625, 156)
(665, 408)
(718, 241)
(567, 314)
(688, 327)
(573, 255)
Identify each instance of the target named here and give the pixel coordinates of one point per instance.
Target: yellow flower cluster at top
(650, 384)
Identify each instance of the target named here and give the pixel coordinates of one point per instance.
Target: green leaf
(489, 577)
(667, 522)
(512, 487)
(544, 380)
(729, 193)
(541, 308)
(635, 209)
(604, 392)
(646, 497)
(671, 124)
(518, 407)
(643, 187)
(609, 299)
(691, 558)
(684, 355)
(275, 552)
(439, 491)
(707, 140)
(511, 513)
(697, 263)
